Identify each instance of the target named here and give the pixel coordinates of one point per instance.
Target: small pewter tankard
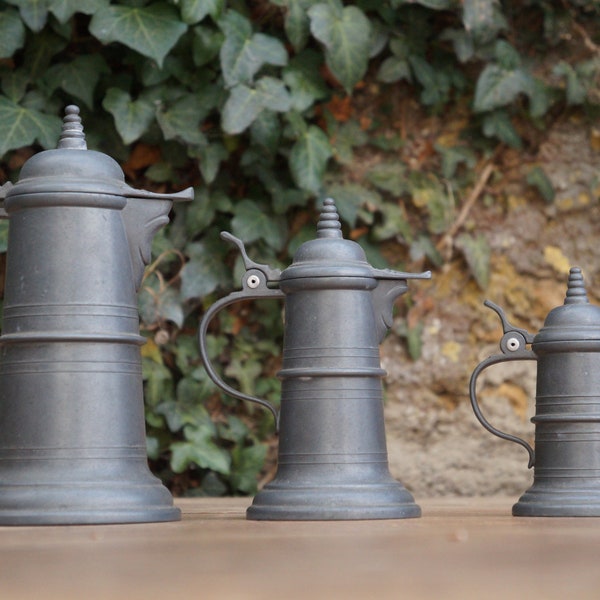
(332, 461)
(72, 436)
(566, 460)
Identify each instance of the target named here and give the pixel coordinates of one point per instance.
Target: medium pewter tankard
(566, 460)
(332, 461)
(72, 436)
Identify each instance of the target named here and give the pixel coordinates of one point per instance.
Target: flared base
(280, 502)
(558, 502)
(86, 504)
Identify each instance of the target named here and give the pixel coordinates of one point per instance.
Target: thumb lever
(506, 326)
(270, 273)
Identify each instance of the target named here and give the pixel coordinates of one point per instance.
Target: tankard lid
(69, 168)
(577, 320)
(329, 255)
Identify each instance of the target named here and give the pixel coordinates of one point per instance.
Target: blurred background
(461, 137)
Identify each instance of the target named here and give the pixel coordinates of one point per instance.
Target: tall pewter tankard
(72, 436)
(332, 461)
(566, 459)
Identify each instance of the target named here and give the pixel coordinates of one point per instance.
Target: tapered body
(567, 432)
(72, 435)
(566, 459)
(332, 458)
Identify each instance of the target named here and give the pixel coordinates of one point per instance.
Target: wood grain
(460, 548)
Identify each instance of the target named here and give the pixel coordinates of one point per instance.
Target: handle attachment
(513, 346)
(254, 285)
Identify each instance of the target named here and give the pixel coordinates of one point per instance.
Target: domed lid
(329, 255)
(575, 321)
(69, 168)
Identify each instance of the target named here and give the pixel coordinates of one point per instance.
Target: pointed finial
(329, 225)
(72, 135)
(576, 293)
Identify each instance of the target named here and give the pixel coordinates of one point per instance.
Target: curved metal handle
(255, 285)
(513, 346)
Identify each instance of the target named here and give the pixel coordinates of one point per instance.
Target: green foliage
(22, 126)
(345, 34)
(259, 106)
(150, 30)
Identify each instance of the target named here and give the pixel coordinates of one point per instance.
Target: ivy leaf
(210, 158)
(477, 253)
(539, 99)
(394, 69)
(14, 84)
(497, 87)
(182, 119)
(274, 94)
(246, 372)
(422, 247)
(390, 177)
(194, 11)
(453, 156)
(3, 235)
(435, 82)
(265, 131)
(414, 340)
(245, 103)
(201, 450)
(348, 136)
(235, 430)
(244, 53)
(303, 79)
(33, 12)
(202, 274)
(537, 178)
(434, 4)
(206, 45)
(507, 55)
(63, 10)
(241, 109)
(150, 30)
(132, 117)
(40, 51)
(576, 92)
(252, 223)
(483, 19)
(247, 462)
(462, 43)
(498, 124)
(20, 126)
(156, 306)
(79, 77)
(196, 216)
(296, 24)
(346, 34)
(158, 381)
(12, 32)
(349, 198)
(308, 159)
(428, 192)
(395, 224)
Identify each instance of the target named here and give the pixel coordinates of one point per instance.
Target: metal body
(332, 460)
(72, 436)
(566, 459)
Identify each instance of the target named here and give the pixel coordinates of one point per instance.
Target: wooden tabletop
(460, 548)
